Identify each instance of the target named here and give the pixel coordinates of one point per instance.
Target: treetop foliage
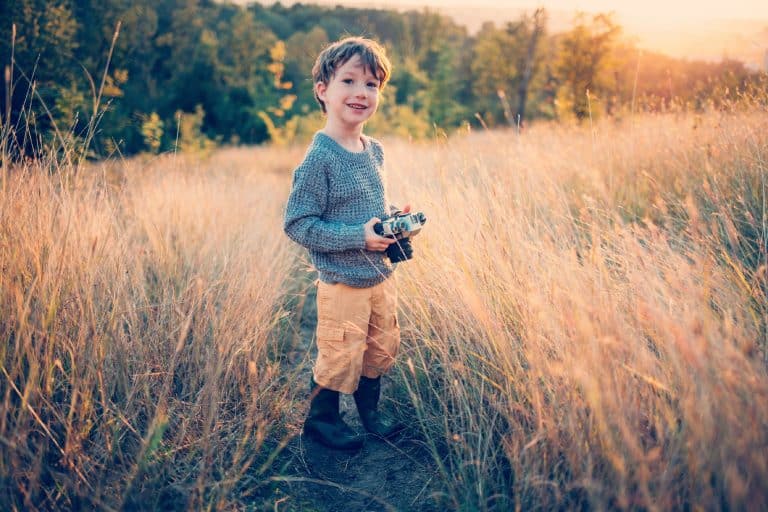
(182, 70)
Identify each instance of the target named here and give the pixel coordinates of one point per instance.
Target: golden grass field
(584, 322)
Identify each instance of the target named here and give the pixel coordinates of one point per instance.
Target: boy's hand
(374, 242)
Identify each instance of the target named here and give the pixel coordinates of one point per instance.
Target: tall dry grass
(138, 302)
(584, 321)
(586, 314)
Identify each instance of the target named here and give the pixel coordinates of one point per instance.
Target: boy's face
(352, 94)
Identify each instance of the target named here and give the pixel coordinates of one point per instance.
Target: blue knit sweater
(335, 192)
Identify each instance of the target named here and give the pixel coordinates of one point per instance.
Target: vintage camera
(401, 227)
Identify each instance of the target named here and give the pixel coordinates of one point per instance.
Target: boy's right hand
(374, 242)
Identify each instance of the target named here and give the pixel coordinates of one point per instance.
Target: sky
(651, 10)
(660, 10)
(703, 29)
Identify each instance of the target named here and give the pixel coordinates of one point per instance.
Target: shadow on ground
(383, 476)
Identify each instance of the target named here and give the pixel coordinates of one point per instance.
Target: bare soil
(383, 476)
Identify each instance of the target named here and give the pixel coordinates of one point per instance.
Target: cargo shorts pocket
(335, 365)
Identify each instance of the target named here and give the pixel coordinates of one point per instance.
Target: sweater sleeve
(307, 203)
(378, 150)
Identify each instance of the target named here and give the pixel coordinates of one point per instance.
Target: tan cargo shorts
(357, 333)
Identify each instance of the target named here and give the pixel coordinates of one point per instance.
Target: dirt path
(384, 475)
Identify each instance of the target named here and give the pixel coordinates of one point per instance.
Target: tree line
(128, 76)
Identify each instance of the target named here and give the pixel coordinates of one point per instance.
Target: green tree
(176, 55)
(152, 130)
(496, 54)
(44, 47)
(443, 108)
(583, 64)
(301, 51)
(246, 84)
(132, 78)
(529, 64)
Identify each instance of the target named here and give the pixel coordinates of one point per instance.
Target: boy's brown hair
(372, 54)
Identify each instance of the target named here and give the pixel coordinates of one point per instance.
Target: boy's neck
(348, 138)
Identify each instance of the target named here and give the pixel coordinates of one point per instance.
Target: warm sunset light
(660, 11)
(699, 30)
(383, 255)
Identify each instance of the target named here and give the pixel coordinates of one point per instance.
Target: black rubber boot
(367, 400)
(324, 423)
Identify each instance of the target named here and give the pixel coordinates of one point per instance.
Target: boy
(338, 195)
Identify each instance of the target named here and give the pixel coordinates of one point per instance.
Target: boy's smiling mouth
(357, 106)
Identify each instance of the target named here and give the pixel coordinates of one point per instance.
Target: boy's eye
(372, 84)
(347, 81)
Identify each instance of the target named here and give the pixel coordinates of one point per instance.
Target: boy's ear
(320, 88)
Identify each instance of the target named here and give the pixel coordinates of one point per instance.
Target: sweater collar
(327, 141)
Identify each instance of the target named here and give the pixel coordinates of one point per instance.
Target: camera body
(401, 227)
